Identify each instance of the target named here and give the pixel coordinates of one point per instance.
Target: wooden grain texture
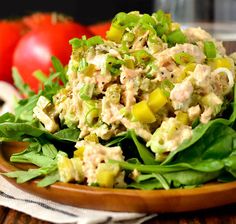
(14, 217)
(221, 215)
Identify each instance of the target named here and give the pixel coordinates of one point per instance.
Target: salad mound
(149, 107)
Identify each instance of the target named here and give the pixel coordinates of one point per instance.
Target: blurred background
(89, 12)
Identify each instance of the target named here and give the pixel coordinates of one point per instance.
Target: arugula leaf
(31, 157)
(24, 108)
(49, 150)
(21, 86)
(24, 176)
(60, 69)
(49, 179)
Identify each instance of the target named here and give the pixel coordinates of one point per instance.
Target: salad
(149, 107)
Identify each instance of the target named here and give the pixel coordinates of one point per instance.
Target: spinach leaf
(146, 185)
(68, 134)
(198, 133)
(19, 131)
(174, 179)
(216, 143)
(145, 154)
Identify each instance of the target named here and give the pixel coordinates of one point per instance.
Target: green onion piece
(166, 87)
(209, 49)
(92, 41)
(142, 57)
(128, 37)
(124, 20)
(113, 65)
(86, 92)
(163, 22)
(77, 43)
(147, 19)
(176, 37)
(183, 58)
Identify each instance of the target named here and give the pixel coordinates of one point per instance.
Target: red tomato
(10, 34)
(40, 19)
(100, 28)
(36, 48)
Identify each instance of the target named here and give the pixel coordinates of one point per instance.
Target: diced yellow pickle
(92, 138)
(143, 113)
(221, 62)
(182, 117)
(65, 169)
(157, 100)
(115, 34)
(79, 152)
(105, 178)
(190, 67)
(175, 26)
(106, 174)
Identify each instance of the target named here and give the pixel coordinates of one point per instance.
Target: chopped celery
(86, 92)
(213, 101)
(82, 64)
(113, 93)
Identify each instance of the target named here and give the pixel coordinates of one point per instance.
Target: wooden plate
(175, 200)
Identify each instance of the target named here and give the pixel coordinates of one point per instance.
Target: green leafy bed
(210, 155)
